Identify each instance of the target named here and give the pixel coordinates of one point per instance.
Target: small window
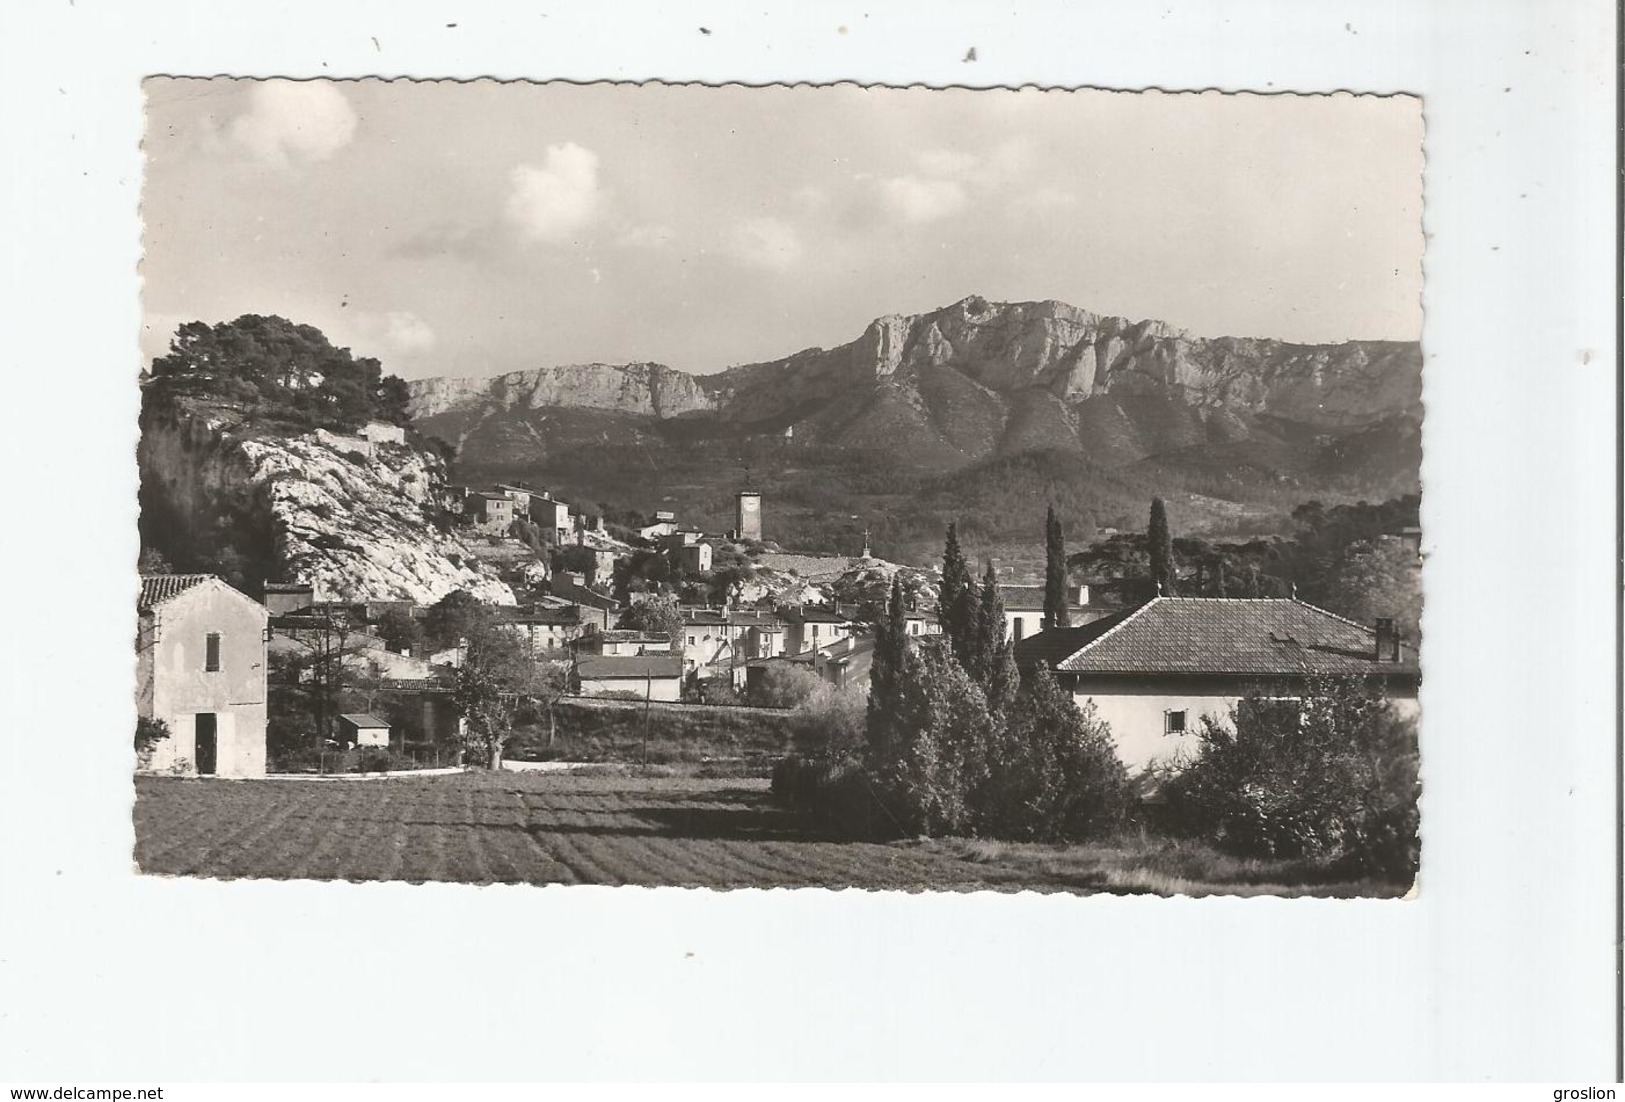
(1173, 723)
(1020, 627)
(211, 652)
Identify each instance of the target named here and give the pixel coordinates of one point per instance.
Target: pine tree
(885, 670)
(1160, 546)
(957, 606)
(1056, 614)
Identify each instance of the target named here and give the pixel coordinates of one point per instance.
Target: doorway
(207, 740)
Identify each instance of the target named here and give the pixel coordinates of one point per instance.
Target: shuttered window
(211, 652)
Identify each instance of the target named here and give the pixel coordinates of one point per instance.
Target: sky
(471, 229)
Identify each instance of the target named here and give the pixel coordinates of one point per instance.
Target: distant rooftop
(1216, 635)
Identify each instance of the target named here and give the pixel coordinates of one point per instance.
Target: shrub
(829, 722)
(149, 732)
(374, 759)
(1330, 773)
(926, 755)
(784, 686)
(1053, 774)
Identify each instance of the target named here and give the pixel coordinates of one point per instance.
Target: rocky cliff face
(644, 389)
(310, 507)
(969, 381)
(1011, 351)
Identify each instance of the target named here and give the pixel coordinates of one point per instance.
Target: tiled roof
(1052, 647)
(569, 614)
(158, 588)
(1022, 597)
(1215, 635)
(1028, 598)
(361, 719)
(598, 667)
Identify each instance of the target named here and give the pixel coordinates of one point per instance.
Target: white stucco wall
(1135, 711)
(176, 688)
(660, 688)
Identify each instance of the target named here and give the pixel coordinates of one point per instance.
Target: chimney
(1387, 640)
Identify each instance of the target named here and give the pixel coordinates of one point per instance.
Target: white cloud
(946, 162)
(920, 199)
(643, 237)
(294, 120)
(552, 202)
(397, 332)
(1045, 200)
(765, 243)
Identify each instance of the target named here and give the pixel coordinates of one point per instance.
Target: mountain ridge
(978, 378)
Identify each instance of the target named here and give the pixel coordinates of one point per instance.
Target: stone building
(201, 668)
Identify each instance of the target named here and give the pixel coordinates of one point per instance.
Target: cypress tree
(989, 630)
(1055, 608)
(957, 606)
(1160, 546)
(885, 676)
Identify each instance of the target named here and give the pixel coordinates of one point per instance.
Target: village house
(572, 586)
(381, 432)
(285, 597)
(1024, 609)
(549, 628)
(552, 516)
(717, 641)
(648, 677)
(846, 663)
(808, 629)
(201, 669)
(694, 558)
(922, 623)
(1153, 672)
(619, 642)
(489, 512)
(519, 495)
(664, 524)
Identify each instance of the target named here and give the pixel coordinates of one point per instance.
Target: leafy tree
(1159, 545)
(1327, 771)
(657, 615)
(498, 674)
(1054, 774)
(454, 618)
(328, 643)
(152, 561)
(1056, 612)
(783, 686)
(1380, 578)
(399, 630)
(280, 371)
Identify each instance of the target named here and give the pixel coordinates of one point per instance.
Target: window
(211, 652)
(1173, 722)
(1020, 627)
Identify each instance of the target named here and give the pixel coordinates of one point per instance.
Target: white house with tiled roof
(1153, 672)
(200, 667)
